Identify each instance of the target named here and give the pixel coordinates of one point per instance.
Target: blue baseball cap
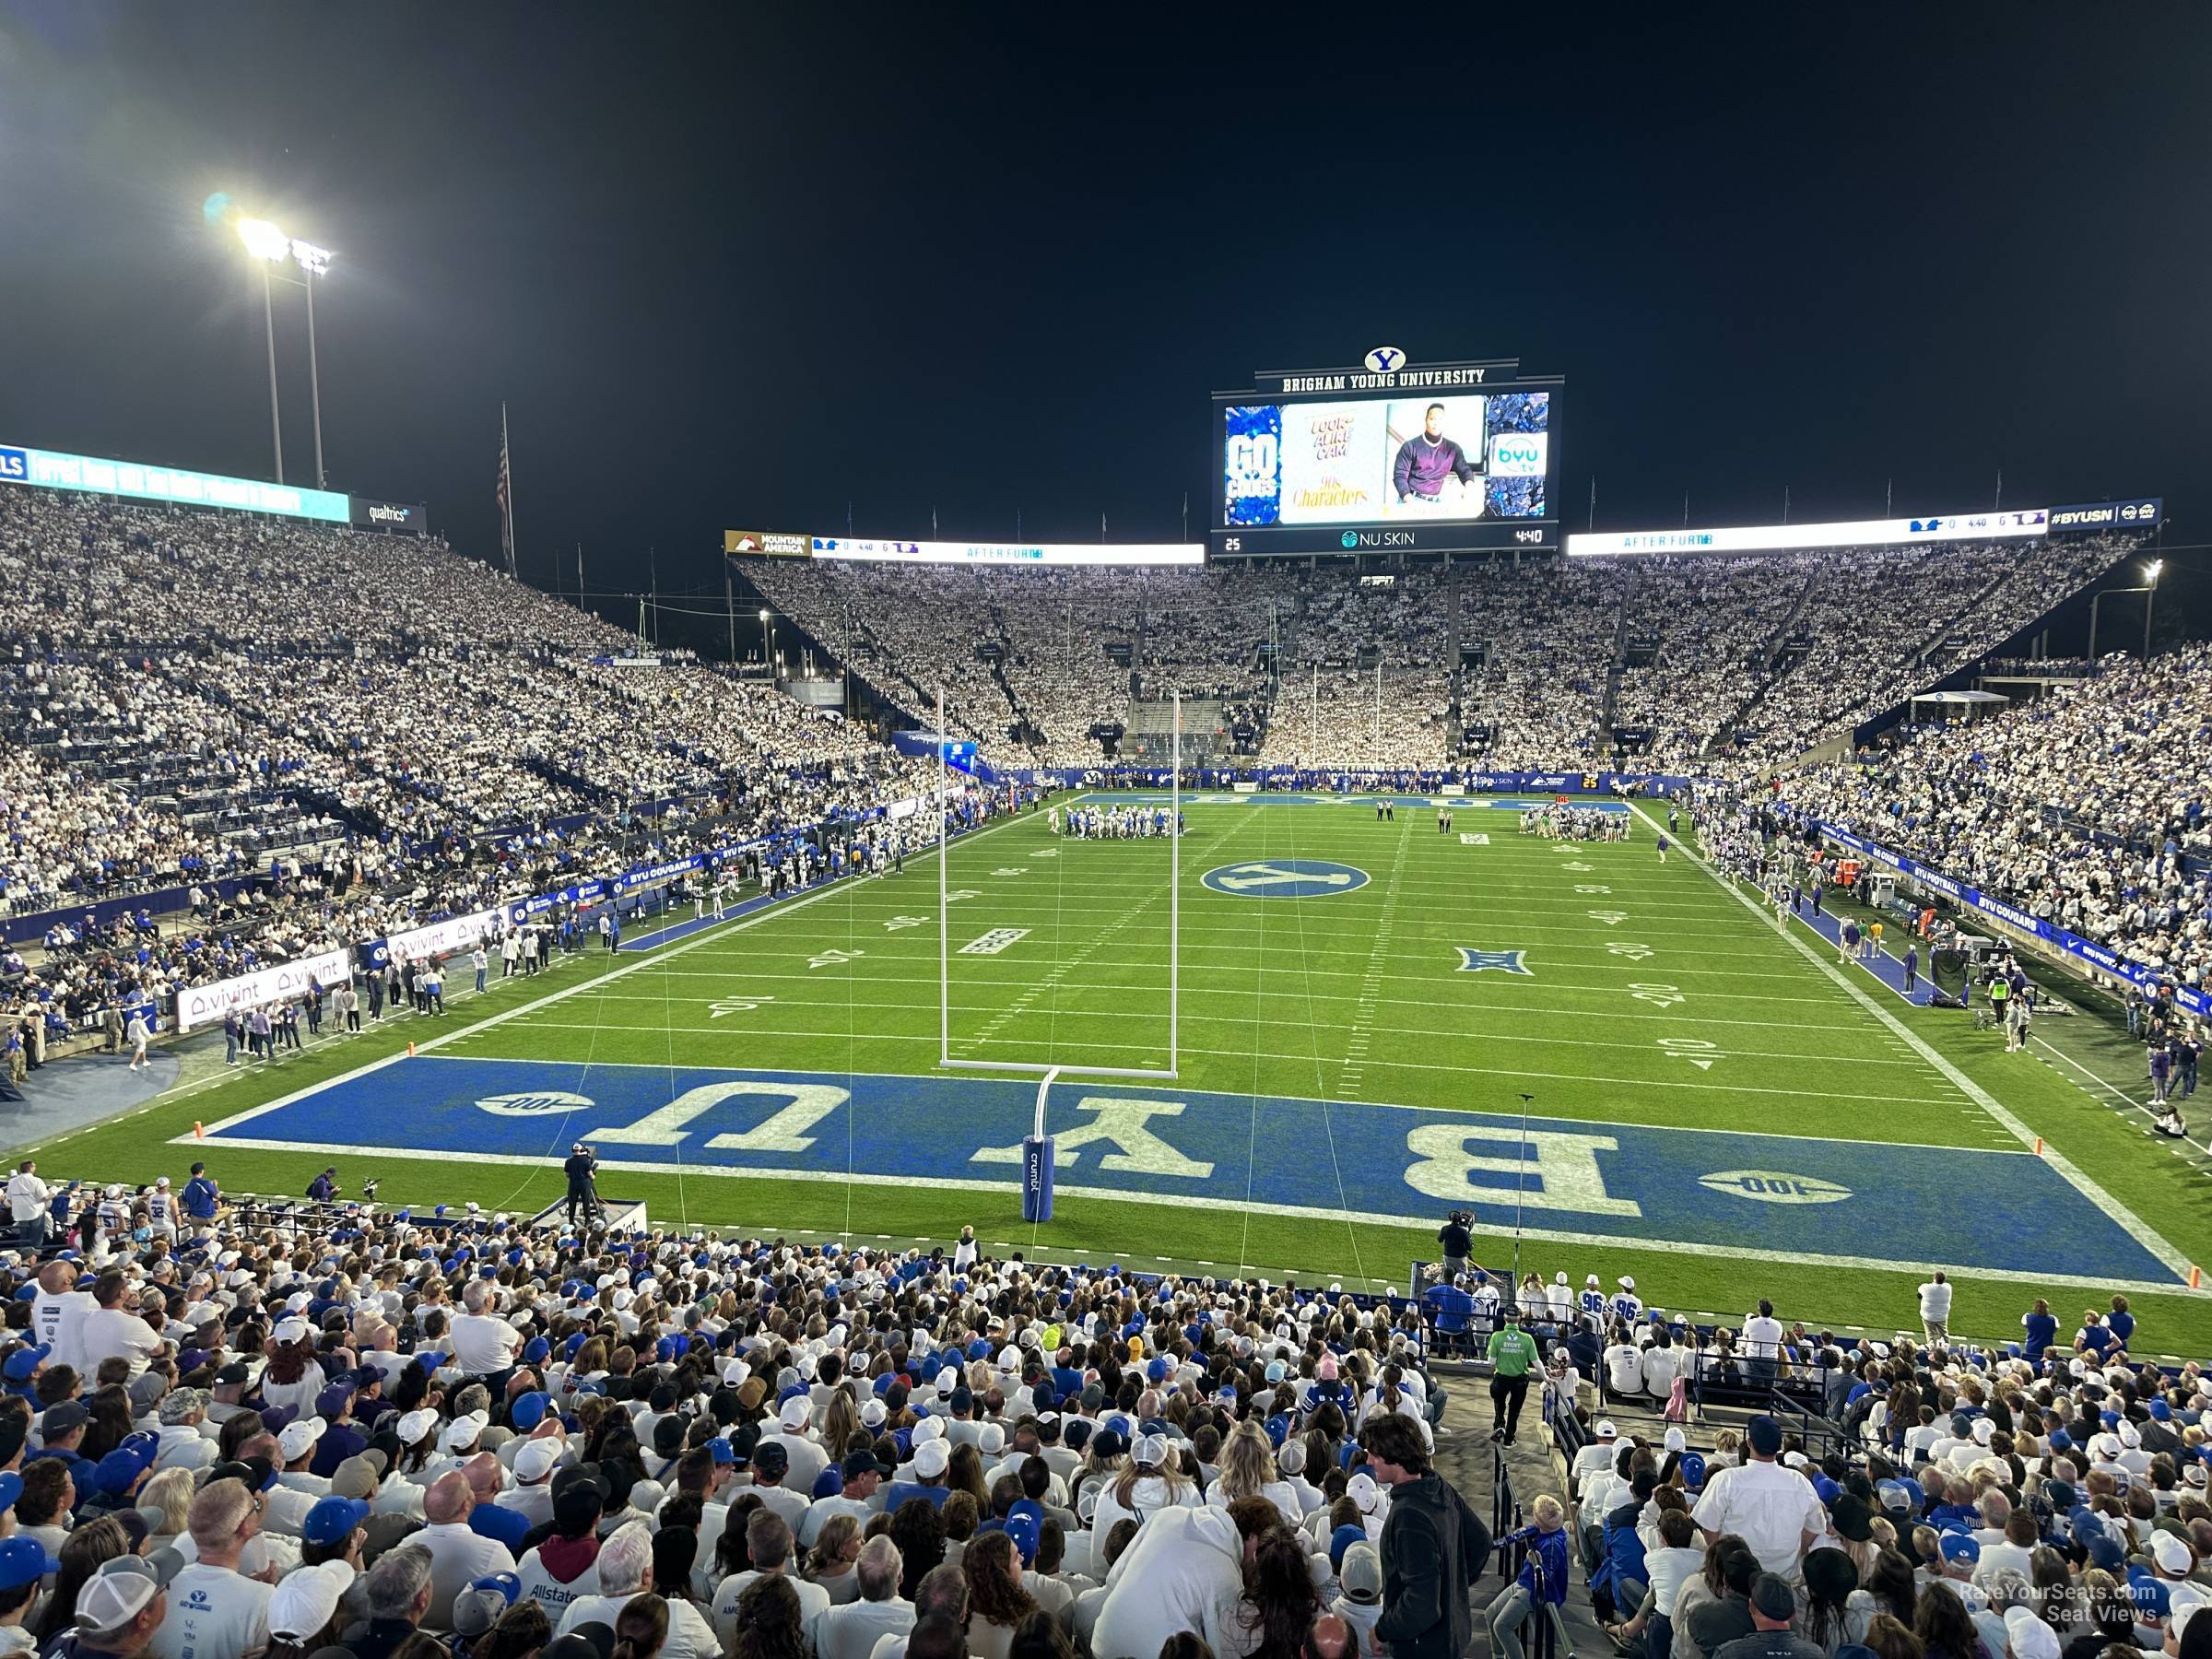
(24, 1361)
(1342, 1539)
(24, 1560)
(11, 1489)
(332, 1519)
(1024, 1532)
(528, 1410)
(1959, 1547)
(115, 1472)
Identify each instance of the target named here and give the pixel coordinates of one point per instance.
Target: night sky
(740, 267)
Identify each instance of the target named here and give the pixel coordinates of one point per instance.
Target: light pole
(2149, 590)
(766, 649)
(270, 245)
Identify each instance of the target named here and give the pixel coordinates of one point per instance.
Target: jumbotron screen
(1397, 468)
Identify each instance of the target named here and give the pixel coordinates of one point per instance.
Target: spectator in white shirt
(851, 1631)
(625, 1573)
(768, 1544)
(212, 1607)
(458, 1555)
(483, 1345)
(58, 1313)
(113, 1330)
(27, 1200)
(1762, 1343)
(1936, 1310)
(1773, 1510)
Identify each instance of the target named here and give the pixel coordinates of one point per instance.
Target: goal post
(946, 790)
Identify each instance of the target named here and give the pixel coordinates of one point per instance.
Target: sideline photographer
(581, 1168)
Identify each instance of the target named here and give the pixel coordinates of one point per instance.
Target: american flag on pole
(505, 494)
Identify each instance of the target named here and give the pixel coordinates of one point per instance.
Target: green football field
(1623, 1065)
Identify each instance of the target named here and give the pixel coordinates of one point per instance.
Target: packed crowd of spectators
(341, 1437)
(409, 736)
(1569, 665)
(2086, 808)
(2021, 1502)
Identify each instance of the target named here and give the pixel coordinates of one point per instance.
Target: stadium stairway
(1467, 1457)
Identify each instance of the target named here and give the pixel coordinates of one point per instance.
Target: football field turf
(1365, 1013)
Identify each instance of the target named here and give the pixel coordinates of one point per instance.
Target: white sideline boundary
(2074, 1175)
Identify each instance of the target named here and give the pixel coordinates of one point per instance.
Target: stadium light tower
(269, 245)
(2149, 590)
(766, 649)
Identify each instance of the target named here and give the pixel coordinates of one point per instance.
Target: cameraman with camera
(583, 1170)
(1455, 1240)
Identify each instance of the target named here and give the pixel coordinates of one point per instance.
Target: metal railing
(1546, 1634)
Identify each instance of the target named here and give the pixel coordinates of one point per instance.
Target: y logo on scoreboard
(1385, 360)
(1492, 961)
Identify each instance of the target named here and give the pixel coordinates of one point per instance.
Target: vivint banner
(1781, 538)
(204, 1004)
(1012, 553)
(443, 939)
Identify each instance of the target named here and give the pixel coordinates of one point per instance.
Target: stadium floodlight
(2149, 590)
(264, 241)
(269, 243)
(767, 650)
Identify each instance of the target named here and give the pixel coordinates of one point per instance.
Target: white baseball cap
(534, 1461)
(307, 1598)
(298, 1438)
(930, 1458)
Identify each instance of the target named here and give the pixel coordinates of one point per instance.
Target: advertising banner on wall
(766, 543)
(1783, 538)
(407, 518)
(204, 1004)
(51, 469)
(1011, 553)
(438, 939)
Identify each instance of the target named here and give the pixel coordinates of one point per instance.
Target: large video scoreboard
(1389, 457)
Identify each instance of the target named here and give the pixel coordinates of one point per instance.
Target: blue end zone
(1853, 1203)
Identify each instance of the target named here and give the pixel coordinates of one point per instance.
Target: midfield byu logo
(534, 1105)
(1285, 878)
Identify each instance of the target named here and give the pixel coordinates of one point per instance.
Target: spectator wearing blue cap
(23, 1369)
(24, 1563)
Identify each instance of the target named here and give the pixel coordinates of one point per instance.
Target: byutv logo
(1518, 454)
